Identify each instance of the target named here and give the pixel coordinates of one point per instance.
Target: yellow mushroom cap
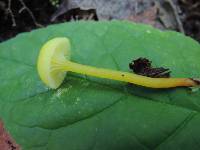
(54, 50)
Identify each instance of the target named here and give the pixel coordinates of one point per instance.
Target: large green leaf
(89, 113)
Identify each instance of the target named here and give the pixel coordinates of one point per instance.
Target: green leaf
(90, 113)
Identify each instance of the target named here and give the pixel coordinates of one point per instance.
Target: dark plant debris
(18, 16)
(78, 14)
(23, 16)
(142, 66)
(190, 16)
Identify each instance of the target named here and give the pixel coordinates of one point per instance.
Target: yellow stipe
(126, 77)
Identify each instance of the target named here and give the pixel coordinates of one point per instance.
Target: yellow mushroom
(54, 62)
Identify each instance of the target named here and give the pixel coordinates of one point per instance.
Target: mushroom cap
(52, 54)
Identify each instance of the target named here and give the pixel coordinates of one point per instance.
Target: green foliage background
(90, 113)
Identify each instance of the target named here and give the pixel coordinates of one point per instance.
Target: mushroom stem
(126, 77)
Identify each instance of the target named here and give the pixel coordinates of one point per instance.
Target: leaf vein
(177, 130)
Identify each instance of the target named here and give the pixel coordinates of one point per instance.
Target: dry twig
(24, 7)
(9, 10)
